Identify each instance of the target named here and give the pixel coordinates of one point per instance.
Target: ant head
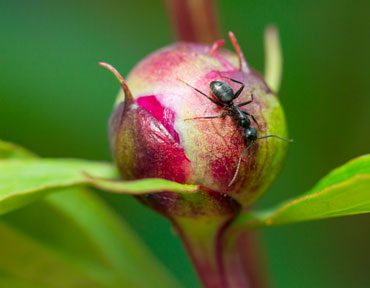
(250, 134)
(222, 91)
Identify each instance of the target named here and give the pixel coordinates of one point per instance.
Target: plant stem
(222, 260)
(273, 58)
(243, 261)
(220, 263)
(194, 20)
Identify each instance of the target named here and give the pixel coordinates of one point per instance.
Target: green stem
(273, 59)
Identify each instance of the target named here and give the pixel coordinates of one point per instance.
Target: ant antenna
(246, 149)
(240, 159)
(214, 101)
(281, 138)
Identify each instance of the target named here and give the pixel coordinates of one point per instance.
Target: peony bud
(150, 137)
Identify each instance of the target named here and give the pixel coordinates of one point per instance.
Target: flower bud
(153, 132)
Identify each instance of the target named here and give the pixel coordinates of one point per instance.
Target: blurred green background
(55, 100)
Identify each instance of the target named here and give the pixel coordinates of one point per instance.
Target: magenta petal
(163, 115)
(145, 149)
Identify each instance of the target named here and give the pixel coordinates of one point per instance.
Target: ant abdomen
(222, 91)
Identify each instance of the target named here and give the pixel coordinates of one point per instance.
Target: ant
(225, 96)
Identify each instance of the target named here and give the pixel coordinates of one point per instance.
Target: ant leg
(236, 81)
(237, 93)
(238, 167)
(214, 101)
(247, 102)
(207, 117)
(237, 127)
(281, 138)
(254, 119)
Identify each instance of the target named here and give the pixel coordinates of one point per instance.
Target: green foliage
(24, 180)
(55, 99)
(70, 238)
(344, 191)
(12, 151)
(84, 240)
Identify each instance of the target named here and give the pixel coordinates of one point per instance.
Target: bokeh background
(55, 100)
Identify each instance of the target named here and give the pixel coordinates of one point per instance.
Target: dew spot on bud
(163, 115)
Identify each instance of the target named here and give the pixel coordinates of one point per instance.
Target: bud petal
(153, 134)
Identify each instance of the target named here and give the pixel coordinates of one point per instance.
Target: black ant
(224, 98)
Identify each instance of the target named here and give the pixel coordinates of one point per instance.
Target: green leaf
(73, 239)
(25, 180)
(79, 241)
(10, 150)
(144, 186)
(344, 191)
(25, 258)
